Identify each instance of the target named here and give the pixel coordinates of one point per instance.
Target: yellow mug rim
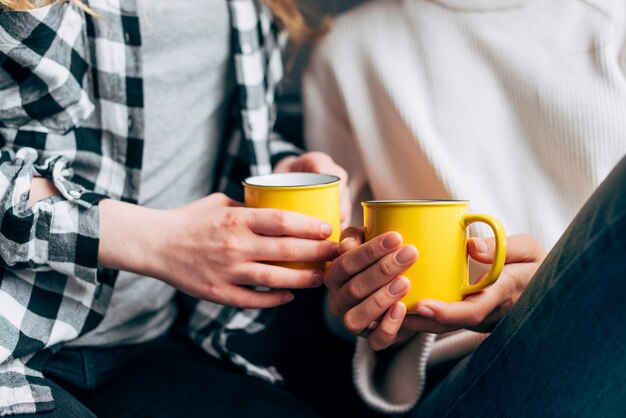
(415, 202)
(326, 180)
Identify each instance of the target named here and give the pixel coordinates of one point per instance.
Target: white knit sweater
(516, 105)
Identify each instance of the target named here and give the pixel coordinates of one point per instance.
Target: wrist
(129, 237)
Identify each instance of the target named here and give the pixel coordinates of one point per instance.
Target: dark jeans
(168, 377)
(561, 350)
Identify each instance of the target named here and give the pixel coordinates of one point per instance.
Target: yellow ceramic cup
(438, 228)
(308, 193)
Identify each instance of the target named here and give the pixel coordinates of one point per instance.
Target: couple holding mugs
(118, 247)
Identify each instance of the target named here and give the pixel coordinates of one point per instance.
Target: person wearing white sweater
(515, 105)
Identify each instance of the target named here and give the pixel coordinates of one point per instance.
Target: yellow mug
(307, 193)
(438, 228)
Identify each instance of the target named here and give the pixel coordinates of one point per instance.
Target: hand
(318, 162)
(482, 311)
(212, 248)
(364, 281)
(386, 316)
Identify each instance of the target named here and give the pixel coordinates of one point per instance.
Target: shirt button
(75, 193)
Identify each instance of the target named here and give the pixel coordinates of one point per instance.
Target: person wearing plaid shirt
(72, 132)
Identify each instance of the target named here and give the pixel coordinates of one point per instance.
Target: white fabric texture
(517, 106)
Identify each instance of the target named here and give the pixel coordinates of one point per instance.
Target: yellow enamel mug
(438, 228)
(307, 193)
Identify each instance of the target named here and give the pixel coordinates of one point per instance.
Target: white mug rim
(294, 179)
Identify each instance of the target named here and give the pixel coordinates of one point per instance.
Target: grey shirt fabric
(187, 83)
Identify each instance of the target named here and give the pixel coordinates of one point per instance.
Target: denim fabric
(167, 377)
(561, 350)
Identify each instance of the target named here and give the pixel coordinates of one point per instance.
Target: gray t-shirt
(187, 83)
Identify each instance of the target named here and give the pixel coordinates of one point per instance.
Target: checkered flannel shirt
(71, 111)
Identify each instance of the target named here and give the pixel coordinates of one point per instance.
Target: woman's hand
(365, 281)
(212, 249)
(482, 311)
(373, 310)
(318, 162)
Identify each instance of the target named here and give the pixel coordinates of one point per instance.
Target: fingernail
(406, 254)
(399, 285)
(425, 311)
(288, 298)
(318, 278)
(326, 229)
(392, 241)
(396, 311)
(345, 243)
(481, 245)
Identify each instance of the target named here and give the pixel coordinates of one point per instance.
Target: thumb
(520, 249)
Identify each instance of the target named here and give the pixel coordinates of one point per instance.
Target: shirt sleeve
(60, 232)
(280, 148)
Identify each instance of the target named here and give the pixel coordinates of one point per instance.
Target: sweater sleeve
(328, 128)
(399, 386)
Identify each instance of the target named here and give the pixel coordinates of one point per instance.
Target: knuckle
(268, 279)
(280, 218)
(325, 249)
(379, 301)
(229, 245)
(344, 265)
(287, 249)
(370, 252)
(354, 290)
(220, 197)
(231, 220)
(318, 157)
(385, 268)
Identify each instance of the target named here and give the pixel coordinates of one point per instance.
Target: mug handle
(500, 254)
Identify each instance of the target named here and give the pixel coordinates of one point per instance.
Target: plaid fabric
(71, 111)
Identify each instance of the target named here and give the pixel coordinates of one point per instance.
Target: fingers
(469, 313)
(387, 330)
(345, 208)
(274, 222)
(241, 297)
(520, 249)
(351, 238)
(373, 278)
(291, 249)
(276, 277)
(359, 318)
(350, 263)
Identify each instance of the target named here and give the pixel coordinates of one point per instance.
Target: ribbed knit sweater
(516, 105)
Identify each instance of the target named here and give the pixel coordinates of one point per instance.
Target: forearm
(41, 188)
(126, 230)
(131, 237)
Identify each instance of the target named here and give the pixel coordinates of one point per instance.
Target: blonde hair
(290, 16)
(286, 11)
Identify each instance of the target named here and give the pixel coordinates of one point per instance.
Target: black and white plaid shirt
(71, 111)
